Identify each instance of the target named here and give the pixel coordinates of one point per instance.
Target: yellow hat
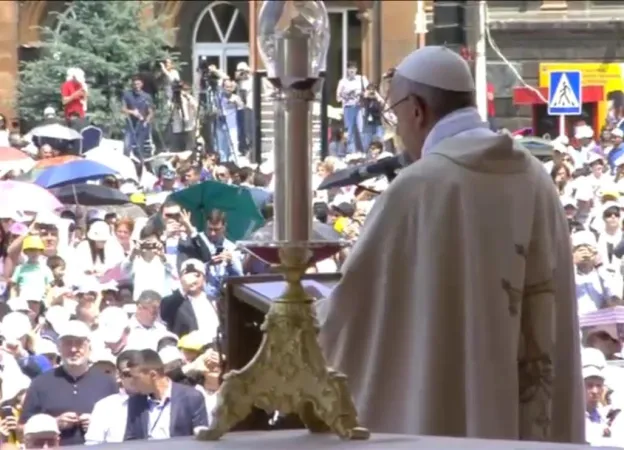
(138, 198)
(33, 243)
(340, 224)
(193, 341)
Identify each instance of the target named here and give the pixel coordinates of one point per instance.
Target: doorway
(345, 46)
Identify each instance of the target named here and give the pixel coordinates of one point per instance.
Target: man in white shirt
(349, 94)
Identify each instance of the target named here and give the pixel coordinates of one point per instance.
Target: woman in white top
(98, 253)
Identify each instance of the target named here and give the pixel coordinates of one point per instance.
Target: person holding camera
(148, 267)
(372, 109)
(595, 287)
(170, 78)
(184, 109)
(226, 122)
(245, 115)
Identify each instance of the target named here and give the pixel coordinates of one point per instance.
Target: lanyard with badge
(160, 413)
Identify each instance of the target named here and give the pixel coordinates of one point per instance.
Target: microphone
(360, 173)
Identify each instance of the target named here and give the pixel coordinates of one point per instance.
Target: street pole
(420, 23)
(480, 19)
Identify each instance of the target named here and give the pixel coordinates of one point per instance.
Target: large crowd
(110, 313)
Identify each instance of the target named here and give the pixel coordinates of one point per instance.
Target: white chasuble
(456, 311)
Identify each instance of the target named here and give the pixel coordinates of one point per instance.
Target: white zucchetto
(438, 67)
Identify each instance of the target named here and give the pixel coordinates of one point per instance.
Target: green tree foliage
(109, 41)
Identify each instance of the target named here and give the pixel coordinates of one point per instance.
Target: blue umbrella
(73, 172)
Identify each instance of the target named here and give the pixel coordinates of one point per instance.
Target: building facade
(223, 32)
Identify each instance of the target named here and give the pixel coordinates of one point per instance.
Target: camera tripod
(210, 112)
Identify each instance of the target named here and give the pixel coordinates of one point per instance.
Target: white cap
(583, 238)
(57, 316)
(15, 325)
(99, 231)
(49, 111)
(592, 371)
(562, 139)
(170, 354)
(193, 265)
(41, 423)
(609, 205)
(593, 357)
(101, 354)
(48, 218)
(617, 132)
(89, 284)
(438, 67)
(18, 304)
(583, 132)
(112, 324)
(75, 328)
(46, 347)
(242, 66)
(559, 147)
(568, 201)
(594, 157)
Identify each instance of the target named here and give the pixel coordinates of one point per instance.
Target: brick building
(223, 31)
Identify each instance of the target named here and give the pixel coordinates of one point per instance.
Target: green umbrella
(240, 209)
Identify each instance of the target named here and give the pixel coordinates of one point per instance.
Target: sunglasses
(611, 214)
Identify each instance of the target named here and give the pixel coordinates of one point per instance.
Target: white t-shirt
(206, 315)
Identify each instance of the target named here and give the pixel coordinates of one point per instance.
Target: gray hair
(440, 101)
(148, 296)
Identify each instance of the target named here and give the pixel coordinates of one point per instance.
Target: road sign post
(565, 96)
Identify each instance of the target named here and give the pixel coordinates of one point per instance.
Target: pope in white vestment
(456, 311)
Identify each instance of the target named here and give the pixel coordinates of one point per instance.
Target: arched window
(221, 38)
(221, 23)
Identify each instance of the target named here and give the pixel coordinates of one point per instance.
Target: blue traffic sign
(565, 93)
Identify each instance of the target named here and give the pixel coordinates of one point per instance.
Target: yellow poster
(610, 76)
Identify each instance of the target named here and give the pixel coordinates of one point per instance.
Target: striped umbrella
(607, 319)
(14, 159)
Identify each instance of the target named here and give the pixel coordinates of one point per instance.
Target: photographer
(147, 265)
(183, 117)
(226, 125)
(245, 115)
(372, 107)
(171, 77)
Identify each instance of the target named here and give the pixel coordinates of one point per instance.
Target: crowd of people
(110, 323)
(587, 172)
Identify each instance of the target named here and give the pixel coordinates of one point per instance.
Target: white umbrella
(55, 131)
(115, 160)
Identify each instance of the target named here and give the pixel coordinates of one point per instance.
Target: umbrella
(119, 162)
(540, 148)
(55, 131)
(90, 195)
(43, 164)
(21, 196)
(73, 172)
(14, 159)
(242, 214)
(56, 161)
(320, 232)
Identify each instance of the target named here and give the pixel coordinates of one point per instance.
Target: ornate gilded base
(288, 373)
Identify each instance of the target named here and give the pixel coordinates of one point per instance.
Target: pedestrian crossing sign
(565, 93)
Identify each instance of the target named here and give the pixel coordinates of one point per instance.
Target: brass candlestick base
(288, 373)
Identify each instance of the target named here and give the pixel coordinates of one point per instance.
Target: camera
(148, 246)
(208, 77)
